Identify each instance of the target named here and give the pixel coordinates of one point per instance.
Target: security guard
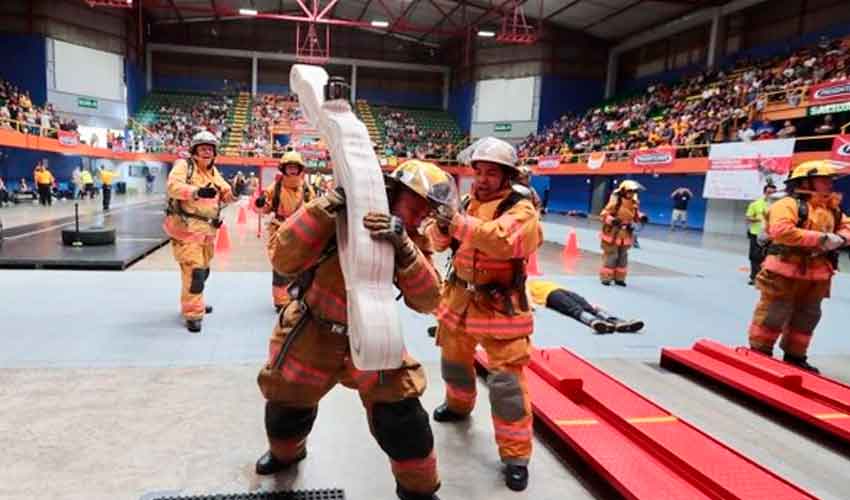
(618, 226)
(196, 194)
(283, 198)
(806, 230)
(309, 351)
(106, 177)
(484, 301)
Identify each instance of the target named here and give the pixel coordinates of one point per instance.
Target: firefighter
(618, 227)
(282, 199)
(484, 301)
(309, 350)
(806, 229)
(569, 303)
(196, 195)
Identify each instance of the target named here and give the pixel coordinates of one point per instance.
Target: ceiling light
(247, 12)
(380, 24)
(486, 34)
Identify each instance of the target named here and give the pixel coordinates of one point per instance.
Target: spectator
(756, 213)
(681, 197)
(4, 194)
(149, 180)
(827, 127)
(788, 130)
(76, 182)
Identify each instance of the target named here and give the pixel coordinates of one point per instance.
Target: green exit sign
(87, 102)
(502, 127)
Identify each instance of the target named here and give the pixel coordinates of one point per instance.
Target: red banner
(67, 138)
(658, 157)
(830, 92)
(841, 149)
(548, 161)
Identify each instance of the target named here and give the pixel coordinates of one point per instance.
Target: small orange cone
(571, 248)
(532, 269)
(222, 242)
(242, 218)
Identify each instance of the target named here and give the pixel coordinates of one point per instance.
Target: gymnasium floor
(107, 397)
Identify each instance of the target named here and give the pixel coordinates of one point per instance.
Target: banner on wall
(67, 138)
(841, 149)
(739, 170)
(830, 92)
(548, 161)
(658, 157)
(596, 160)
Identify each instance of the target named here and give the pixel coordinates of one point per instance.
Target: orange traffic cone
(532, 269)
(242, 218)
(222, 242)
(571, 248)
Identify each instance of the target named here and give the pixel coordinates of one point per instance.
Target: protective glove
(831, 241)
(443, 216)
(644, 219)
(260, 202)
(763, 239)
(333, 201)
(208, 191)
(615, 221)
(629, 227)
(391, 228)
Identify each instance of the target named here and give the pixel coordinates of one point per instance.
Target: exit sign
(87, 102)
(502, 127)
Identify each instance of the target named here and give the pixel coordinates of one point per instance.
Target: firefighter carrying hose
(618, 226)
(196, 195)
(806, 230)
(484, 300)
(309, 350)
(282, 199)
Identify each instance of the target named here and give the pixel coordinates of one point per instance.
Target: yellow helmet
(629, 185)
(292, 157)
(809, 169)
(428, 181)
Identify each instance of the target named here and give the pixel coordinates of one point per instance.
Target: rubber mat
(334, 494)
(818, 401)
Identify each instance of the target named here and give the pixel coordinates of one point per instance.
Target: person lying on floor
(553, 296)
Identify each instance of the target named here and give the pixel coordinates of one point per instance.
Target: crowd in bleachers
(17, 112)
(175, 121)
(269, 111)
(709, 107)
(404, 138)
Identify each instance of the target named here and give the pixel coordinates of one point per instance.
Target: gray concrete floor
(107, 397)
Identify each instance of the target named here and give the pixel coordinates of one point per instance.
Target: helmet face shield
(428, 181)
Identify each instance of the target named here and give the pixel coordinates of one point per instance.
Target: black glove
(616, 222)
(644, 219)
(630, 227)
(260, 202)
(391, 228)
(208, 191)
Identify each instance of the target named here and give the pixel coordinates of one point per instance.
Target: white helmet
(492, 150)
(204, 137)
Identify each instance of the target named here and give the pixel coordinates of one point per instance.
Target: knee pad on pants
(457, 374)
(279, 279)
(199, 276)
(506, 397)
(287, 422)
(402, 429)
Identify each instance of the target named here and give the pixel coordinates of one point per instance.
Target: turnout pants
(789, 308)
(509, 401)
(194, 260)
(615, 262)
(315, 361)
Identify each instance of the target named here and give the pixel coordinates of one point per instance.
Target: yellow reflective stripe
(652, 420)
(579, 421)
(832, 416)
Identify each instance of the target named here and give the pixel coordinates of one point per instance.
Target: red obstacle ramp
(642, 450)
(815, 400)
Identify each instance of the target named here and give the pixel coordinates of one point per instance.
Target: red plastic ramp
(642, 450)
(815, 400)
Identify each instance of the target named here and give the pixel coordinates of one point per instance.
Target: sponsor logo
(653, 158)
(833, 92)
(843, 150)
